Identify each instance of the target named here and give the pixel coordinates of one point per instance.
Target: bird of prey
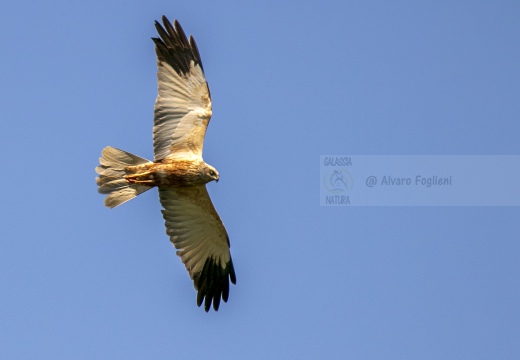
(181, 115)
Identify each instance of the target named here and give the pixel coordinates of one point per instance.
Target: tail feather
(111, 180)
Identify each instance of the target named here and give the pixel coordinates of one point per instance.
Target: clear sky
(290, 81)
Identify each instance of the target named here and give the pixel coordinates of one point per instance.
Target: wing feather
(183, 105)
(196, 231)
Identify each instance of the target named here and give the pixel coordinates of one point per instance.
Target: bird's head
(210, 173)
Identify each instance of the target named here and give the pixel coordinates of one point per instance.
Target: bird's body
(171, 174)
(181, 115)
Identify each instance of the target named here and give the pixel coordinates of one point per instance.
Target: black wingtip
(212, 283)
(174, 48)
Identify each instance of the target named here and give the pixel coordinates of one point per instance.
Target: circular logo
(337, 181)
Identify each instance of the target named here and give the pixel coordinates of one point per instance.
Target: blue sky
(290, 81)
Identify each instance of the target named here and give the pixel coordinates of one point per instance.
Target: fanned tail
(111, 180)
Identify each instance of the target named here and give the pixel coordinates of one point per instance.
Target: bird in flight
(181, 115)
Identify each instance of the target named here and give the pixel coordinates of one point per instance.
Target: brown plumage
(181, 115)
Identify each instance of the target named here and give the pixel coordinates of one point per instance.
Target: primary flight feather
(181, 115)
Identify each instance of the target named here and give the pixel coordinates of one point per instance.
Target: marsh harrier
(181, 115)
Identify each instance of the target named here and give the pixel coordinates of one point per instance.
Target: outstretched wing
(196, 231)
(183, 105)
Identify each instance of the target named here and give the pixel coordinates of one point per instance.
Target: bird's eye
(212, 173)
